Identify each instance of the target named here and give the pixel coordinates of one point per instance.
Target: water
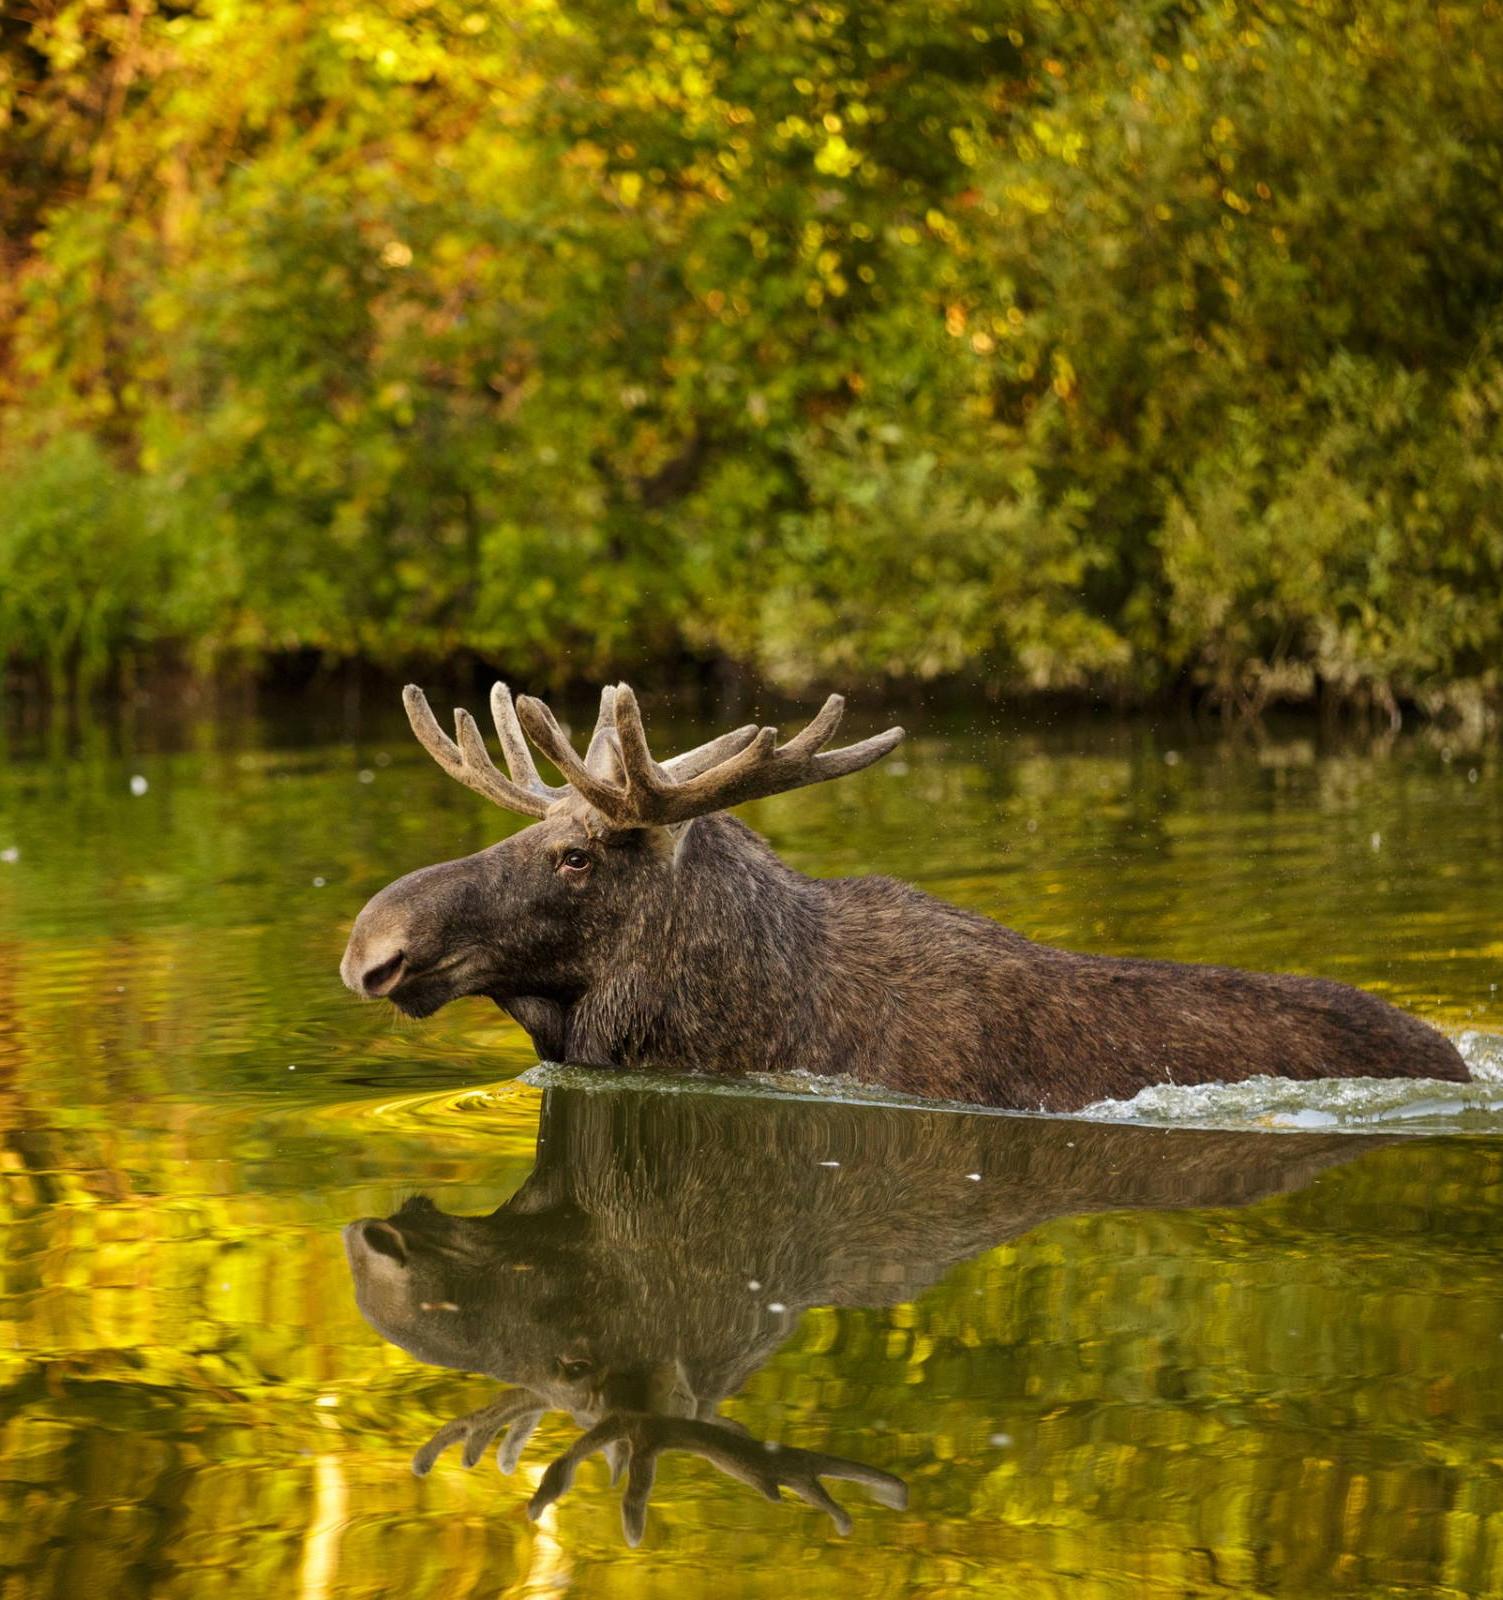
(1242, 1341)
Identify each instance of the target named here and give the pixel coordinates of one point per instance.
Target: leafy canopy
(1067, 344)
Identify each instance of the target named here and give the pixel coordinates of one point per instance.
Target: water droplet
(753, 1283)
(975, 1177)
(776, 1306)
(10, 854)
(318, 883)
(139, 785)
(829, 1163)
(366, 775)
(1171, 758)
(1000, 1441)
(1376, 841)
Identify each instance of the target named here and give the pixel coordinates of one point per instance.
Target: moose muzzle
(406, 931)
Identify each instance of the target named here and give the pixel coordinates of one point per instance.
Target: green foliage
(95, 562)
(1064, 345)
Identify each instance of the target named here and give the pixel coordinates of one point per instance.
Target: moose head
(580, 903)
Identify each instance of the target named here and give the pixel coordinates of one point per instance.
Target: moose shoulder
(635, 924)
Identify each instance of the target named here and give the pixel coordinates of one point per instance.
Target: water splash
(1355, 1105)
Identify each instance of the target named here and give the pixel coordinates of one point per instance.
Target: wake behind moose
(637, 925)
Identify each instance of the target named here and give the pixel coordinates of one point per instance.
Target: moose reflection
(666, 1245)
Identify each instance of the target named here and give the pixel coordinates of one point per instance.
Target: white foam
(1483, 1054)
(1411, 1105)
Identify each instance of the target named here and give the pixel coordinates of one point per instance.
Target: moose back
(636, 924)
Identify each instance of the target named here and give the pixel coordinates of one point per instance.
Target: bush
(96, 563)
(1076, 345)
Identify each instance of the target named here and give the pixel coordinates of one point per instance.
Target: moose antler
(518, 1411)
(746, 765)
(643, 1436)
(618, 774)
(469, 761)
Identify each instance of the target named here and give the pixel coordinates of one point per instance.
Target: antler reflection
(518, 1412)
(632, 1441)
(643, 1436)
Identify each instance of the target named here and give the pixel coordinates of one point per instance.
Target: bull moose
(635, 924)
(620, 1287)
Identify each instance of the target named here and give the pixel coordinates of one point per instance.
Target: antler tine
(542, 727)
(641, 1474)
(819, 731)
(519, 760)
(467, 761)
(643, 775)
(514, 1409)
(510, 1451)
(740, 1456)
(761, 769)
(602, 741)
(692, 762)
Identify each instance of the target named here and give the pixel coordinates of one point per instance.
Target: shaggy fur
(693, 948)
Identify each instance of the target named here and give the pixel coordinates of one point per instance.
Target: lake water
(1247, 1342)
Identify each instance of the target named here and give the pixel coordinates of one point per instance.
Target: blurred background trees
(1115, 349)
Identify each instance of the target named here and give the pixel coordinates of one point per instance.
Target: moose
(619, 1287)
(637, 925)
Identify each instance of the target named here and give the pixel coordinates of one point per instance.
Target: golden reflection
(331, 1500)
(1253, 1377)
(550, 1569)
(619, 1287)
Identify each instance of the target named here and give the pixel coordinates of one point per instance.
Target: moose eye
(573, 1368)
(575, 861)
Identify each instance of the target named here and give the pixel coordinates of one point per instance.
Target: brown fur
(693, 948)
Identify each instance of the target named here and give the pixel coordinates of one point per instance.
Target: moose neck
(714, 966)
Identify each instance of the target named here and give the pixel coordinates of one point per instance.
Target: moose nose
(383, 976)
(375, 961)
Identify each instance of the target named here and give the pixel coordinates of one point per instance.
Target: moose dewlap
(635, 924)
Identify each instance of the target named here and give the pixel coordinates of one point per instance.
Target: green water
(1104, 1358)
